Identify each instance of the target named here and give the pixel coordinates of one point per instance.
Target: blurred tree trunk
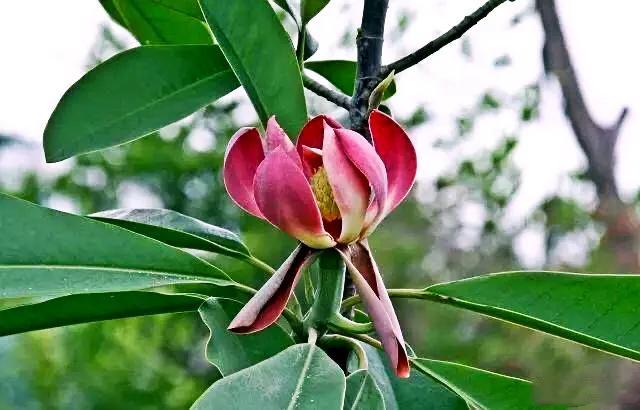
(622, 237)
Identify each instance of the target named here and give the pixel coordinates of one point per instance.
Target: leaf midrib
(301, 377)
(117, 269)
(155, 102)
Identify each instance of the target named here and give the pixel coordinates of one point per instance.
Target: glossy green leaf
(480, 388)
(47, 253)
(160, 21)
(261, 54)
(133, 94)
(362, 392)
(176, 229)
(599, 311)
(92, 307)
(301, 377)
(231, 352)
(411, 393)
(311, 8)
(342, 75)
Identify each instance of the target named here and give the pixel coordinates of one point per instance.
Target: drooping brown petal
(366, 276)
(266, 306)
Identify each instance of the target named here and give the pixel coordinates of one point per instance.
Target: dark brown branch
(450, 36)
(334, 96)
(369, 42)
(597, 142)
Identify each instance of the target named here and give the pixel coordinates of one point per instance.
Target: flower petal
(368, 282)
(276, 137)
(241, 160)
(266, 306)
(398, 154)
(351, 190)
(364, 157)
(284, 197)
(312, 133)
(311, 160)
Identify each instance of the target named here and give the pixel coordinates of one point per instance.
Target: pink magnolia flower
(331, 189)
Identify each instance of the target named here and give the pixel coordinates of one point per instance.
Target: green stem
(329, 291)
(340, 340)
(337, 322)
(302, 38)
(394, 293)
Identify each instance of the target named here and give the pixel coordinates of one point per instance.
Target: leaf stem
(340, 323)
(340, 340)
(260, 264)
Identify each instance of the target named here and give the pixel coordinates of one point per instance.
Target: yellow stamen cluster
(324, 195)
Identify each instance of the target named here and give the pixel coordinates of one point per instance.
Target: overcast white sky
(45, 46)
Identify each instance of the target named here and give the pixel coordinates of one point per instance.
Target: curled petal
(276, 137)
(365, 158)
(312, 134)
(311, 160)
(398, 154)
(350, 188)
(365, 275)
(241, 160)
(266, 306)
(284, 197)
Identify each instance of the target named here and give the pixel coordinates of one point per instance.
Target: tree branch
(450, 36)
(369, 43)
(334, 96)
(597, 142)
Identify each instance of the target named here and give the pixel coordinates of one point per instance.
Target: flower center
(324, 195)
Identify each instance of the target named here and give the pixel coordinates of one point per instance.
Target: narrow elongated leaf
(301, 377)
(362, 392)
(176, 229)
(595, 310)
(480, 388)
(74, 309)
(412, 393)
(133, 94)
(46, 253)
(342, 75)
(231, 352)
(160, 21)
(262, 56)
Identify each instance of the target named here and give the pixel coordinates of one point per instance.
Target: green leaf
(362, 392)
(92, 307)
(310, 44)
(480, 388)
(133, 94)
(46, 253)
(160, 21)
(176, 229)
(262, 56)
(411, 393)
(311, 8)
(342, 75)
(231, 352)
(599, 311)
(301, 377)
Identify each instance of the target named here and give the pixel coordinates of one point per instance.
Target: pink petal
(311, 160)
(364, 157)
(276, 137)
(241, 160)
(365, 275)
(397, 152)
(266, 306)
(284, 197)
(351, 190)
(312, 133)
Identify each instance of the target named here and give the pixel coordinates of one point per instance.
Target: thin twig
(333, 96)
(453, 34)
